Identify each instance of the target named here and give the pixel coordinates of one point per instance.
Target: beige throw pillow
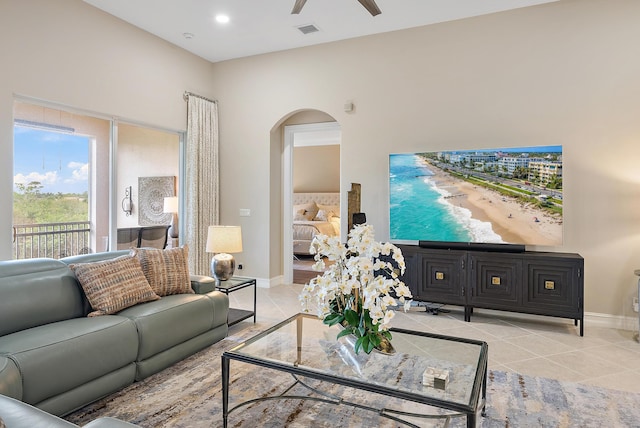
(333, 210)
(307, 211)
(113, 285)
(166, 270)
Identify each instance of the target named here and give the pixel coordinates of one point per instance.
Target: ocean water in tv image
(418, 210)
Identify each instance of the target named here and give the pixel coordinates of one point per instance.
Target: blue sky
(59, 161)
(529, 149)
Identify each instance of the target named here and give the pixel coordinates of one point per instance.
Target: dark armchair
(146, 236)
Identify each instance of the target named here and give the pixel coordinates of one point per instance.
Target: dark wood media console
(530, 282)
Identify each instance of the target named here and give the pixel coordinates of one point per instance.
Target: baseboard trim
(620, 322)
(591, 319)
(271, 282)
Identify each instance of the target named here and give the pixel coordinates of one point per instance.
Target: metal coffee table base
(329, 398)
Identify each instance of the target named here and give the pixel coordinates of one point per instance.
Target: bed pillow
(166, 270)
(308, 211)
(113, 285)
(334, 210)
(299, 215)
(324, 216)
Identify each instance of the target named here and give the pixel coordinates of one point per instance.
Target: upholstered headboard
(318, 198)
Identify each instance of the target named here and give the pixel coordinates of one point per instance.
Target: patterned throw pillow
(166, 270)
(113, 285)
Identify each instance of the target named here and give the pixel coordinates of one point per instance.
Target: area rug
(188, 394)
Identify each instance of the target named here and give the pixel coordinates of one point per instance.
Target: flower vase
(385, 347)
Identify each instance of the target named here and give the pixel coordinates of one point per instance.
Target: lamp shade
(170, 204)
(224, 239)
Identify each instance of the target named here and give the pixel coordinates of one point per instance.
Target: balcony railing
(55, 240)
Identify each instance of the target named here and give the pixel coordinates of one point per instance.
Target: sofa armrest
(16, 414)
(202, 284)
(10, 379)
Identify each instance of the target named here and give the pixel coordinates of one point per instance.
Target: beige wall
(562, 73)
(316, 169)
(143, 152)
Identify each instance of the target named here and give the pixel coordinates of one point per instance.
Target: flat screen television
(496, 196)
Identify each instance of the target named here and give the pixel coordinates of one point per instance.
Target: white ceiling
(262, 26)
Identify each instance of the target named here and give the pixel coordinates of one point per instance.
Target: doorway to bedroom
(312, 193)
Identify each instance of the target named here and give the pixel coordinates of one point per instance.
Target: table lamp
(171, 206)
(223, 240)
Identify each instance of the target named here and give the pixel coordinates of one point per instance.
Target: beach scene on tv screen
(506, 195)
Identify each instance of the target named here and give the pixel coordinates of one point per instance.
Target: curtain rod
(186, 96)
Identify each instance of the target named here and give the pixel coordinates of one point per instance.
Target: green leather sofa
(16, 414)
(54, 357)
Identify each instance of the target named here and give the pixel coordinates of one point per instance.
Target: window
(67, 192)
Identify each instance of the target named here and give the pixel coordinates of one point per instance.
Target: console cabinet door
(496, 281)
(442, 276)
(554, 287)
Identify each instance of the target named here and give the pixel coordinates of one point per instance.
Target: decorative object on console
(355, 291)
(435, 378)
(223, 240)
(353, 202)
(171, 206)
(359, 218)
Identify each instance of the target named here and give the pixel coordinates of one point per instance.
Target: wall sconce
(171, 206)
(127, 205)
(222, 240)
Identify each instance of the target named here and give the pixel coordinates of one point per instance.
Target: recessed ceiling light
(188, 35)
(222, 19)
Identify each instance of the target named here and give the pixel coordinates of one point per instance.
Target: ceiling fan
(370, 5)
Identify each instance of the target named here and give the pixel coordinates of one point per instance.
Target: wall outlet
(635, 304)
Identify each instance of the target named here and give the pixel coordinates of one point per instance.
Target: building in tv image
(507, 196)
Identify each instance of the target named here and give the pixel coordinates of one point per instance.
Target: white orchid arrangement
(356, 289)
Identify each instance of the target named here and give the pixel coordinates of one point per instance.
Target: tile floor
(536, 346)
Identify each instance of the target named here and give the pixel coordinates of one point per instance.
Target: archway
(308, 124)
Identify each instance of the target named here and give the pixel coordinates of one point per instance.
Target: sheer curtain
(202, 179)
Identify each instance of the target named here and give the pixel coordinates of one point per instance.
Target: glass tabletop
(233, 282)
(303, 342)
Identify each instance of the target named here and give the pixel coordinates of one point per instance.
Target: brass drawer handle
(549, 285)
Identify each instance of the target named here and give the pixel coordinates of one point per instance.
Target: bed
(313, 214)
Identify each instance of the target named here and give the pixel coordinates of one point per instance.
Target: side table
(236, 283)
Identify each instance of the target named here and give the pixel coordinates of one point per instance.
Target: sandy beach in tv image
(429, 203)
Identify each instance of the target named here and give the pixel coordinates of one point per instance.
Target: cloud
(50, 177)
(80, 172)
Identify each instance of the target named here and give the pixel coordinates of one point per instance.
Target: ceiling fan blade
(298, 6)
(371, 6)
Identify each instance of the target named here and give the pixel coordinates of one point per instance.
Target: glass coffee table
(306, 348)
